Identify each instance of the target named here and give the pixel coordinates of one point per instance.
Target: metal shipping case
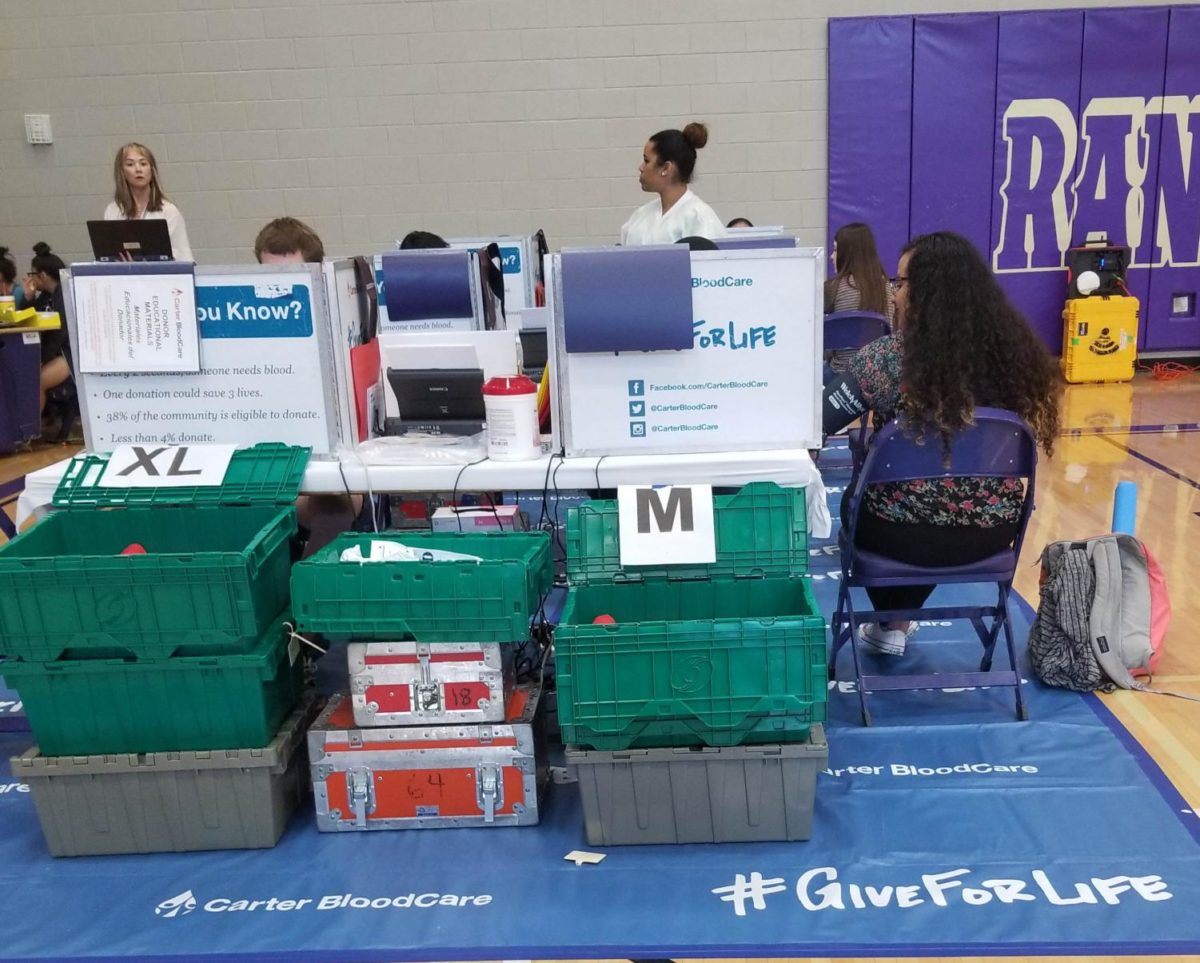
(420, 684)
(488, 774)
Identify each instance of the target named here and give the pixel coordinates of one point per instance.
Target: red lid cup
(518, 385)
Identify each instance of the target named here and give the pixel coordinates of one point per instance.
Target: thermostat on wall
(37, 129)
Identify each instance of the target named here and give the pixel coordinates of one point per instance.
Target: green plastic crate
(81, 707)
(215, 573)
(725, 654)
(488, 601)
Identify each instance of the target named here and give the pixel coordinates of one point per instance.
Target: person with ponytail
(668, 161)
(138, 194)
(45, 280)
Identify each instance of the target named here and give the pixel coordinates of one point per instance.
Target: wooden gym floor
(1147, 432)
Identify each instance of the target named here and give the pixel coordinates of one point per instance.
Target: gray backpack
(1102, 615)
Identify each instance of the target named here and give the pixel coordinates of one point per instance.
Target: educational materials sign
(265, 373)
(751, 379)
(136, 322)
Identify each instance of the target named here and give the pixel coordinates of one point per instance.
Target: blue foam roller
(1124, 507)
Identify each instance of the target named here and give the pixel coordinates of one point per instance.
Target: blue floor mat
(946, 829)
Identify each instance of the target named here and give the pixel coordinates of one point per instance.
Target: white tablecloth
(791, 468)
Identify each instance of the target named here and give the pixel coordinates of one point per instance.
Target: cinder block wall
(458, 116)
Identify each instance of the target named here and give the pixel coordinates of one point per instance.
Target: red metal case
(422, 777)
(421, 684)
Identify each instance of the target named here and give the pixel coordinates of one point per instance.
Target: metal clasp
(489, 791)
(361, 787)
(427, 692)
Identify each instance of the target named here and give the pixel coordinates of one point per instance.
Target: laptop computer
(142, 240)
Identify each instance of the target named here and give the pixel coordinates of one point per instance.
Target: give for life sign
(751, 378)
(666, 525)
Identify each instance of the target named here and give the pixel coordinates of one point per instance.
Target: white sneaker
(885, 641)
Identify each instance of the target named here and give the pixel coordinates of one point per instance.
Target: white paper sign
(137, 323)
(262, 374)
(166, 466)
(666, 524)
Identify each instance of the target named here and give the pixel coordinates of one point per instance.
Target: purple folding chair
(845, 330)
(998, 445)
(849, 331)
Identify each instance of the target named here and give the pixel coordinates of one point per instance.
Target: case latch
(427, 692)
(489, 791)
(361, 788)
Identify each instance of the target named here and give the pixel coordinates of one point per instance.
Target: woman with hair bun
(668, 160)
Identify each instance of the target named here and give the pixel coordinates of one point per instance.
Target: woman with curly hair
(958, 345)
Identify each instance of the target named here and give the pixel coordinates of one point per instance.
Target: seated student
(860, 283)
(286, 240)
(420, 240)
(9, 286)
(740, 222)
(44, 282)
(958, 344)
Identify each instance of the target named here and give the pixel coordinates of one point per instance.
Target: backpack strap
(1118, 634)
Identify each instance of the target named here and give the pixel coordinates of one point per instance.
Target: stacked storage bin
(433, 732)
(180, 649)
(694, 716)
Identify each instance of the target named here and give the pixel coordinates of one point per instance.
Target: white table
(791, 468)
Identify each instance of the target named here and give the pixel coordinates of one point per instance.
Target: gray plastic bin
(166, 802)
(732, 794)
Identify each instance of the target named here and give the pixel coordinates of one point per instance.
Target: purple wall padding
(1124, 52)
(1038, 57)
(1166, 330)
(954, 76)
(972, 123)
(870, 115)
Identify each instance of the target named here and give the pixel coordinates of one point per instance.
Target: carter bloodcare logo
(186, 902)
(179, 905)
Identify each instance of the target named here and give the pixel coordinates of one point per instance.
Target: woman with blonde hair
(139, 195)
